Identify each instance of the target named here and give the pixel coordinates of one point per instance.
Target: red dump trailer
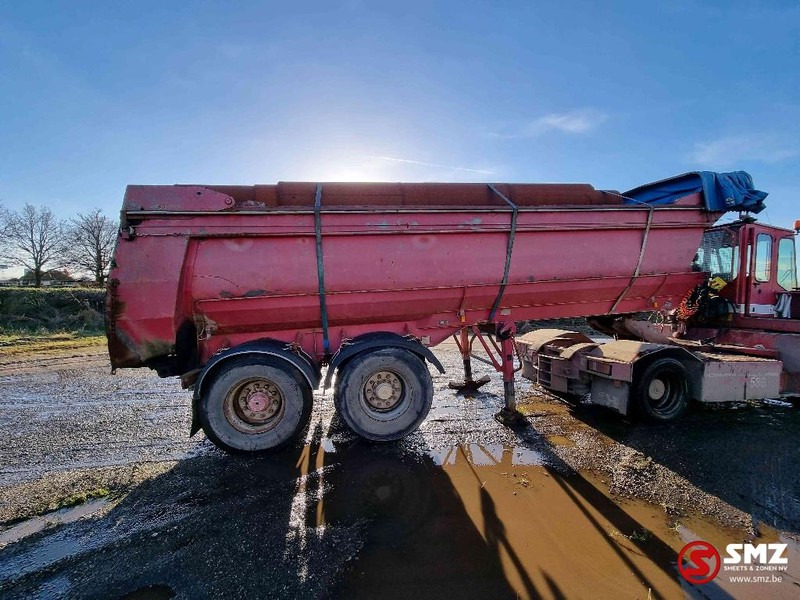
(247, 292)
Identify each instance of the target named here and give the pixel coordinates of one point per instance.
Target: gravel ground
(159, 514)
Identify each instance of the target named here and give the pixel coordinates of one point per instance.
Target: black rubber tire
(411, 408)
(296, 411)
(661, 391)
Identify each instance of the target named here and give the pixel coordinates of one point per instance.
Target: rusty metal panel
(562, 367)
(612, 393)
(578, 349)
(722, 382)
(737, 378)
(531, 342)
(528, 370)
(558, 384)
(746, 338)
(625, 351)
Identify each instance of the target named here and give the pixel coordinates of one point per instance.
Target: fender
(295, 357)
(378, 340)
(627, 359)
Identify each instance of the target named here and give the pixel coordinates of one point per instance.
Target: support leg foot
(509, 415)
(469, 385)
(510, 418)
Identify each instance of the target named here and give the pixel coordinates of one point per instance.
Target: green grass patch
(80, 498)
(11, 345)
(641, 535)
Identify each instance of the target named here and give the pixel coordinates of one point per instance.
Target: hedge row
(45, 310)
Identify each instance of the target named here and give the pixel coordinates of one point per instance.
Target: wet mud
(577, 504)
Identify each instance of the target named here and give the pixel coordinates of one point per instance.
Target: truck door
(788, 302)
(761, 295)
(770, 271)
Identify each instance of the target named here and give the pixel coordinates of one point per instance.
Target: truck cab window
(787, 269)
(763, 256)
(718, 254)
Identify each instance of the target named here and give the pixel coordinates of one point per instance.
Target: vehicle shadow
(357, 520)
(746, 454)
(287, 525)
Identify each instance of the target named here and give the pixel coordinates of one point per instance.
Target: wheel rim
(254, 405)
(656, 390)
(665, 393)
(384, 392)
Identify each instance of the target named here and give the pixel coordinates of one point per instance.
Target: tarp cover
(722, 191)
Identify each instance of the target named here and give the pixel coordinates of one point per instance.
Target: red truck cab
(756, 263)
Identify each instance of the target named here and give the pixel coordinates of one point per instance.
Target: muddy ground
(104, 495)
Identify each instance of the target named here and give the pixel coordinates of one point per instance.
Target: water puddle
(51, 519)
(560, 440)
(343, 518)
(492, 520)
(482, 455)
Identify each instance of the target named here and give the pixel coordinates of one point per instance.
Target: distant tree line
(36, 240)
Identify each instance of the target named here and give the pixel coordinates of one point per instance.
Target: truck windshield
(718, 254)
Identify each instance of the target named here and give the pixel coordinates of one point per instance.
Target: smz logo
(765, 554)
(702, 562)
(699, 562)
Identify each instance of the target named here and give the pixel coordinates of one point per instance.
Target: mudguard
(378, 340)
(296, 357)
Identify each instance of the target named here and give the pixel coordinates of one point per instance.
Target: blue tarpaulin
(722, 191)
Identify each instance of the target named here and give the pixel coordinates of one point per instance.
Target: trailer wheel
(662, 390)
(257, 404)
(385, 394)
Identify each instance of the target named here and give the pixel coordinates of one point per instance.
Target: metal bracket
(490, 352)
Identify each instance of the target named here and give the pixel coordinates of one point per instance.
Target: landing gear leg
(469, 385)
(509, 415)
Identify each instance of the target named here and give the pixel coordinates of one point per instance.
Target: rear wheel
(383, 395)
(662, 390)
(256, 404)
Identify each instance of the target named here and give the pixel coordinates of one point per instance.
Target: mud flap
(612, 393)
(195, 420)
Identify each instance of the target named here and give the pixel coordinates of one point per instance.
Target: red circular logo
(702, 564)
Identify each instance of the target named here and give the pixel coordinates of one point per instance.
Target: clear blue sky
(94, 96)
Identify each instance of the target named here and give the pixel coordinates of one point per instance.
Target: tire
(385, 394)
(255, 405)
(662, 391)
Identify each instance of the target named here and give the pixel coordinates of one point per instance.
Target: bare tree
(90, 242)
(3, 224)
(33, 239)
